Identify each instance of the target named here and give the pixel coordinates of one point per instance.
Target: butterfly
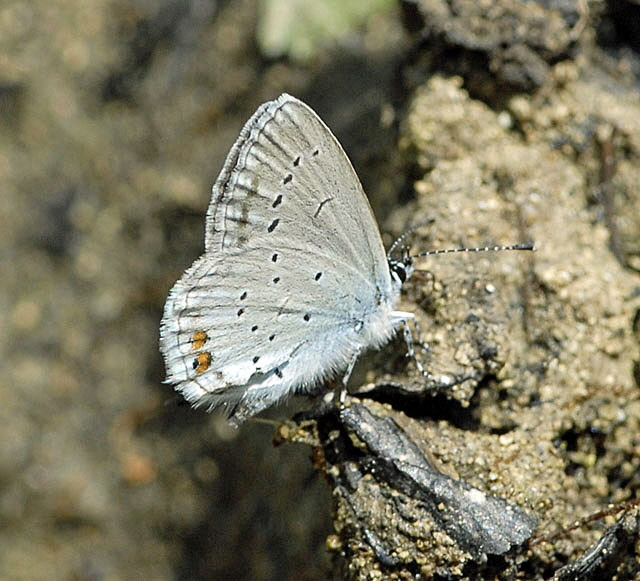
(294, 283)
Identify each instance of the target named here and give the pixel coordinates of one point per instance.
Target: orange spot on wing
(198, 340)
(202, 362)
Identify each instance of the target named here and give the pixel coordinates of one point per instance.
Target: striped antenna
(398, 241)
(527, 246)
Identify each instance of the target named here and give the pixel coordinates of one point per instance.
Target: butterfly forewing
(287, 166)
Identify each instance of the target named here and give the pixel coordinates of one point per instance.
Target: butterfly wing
(294, 281)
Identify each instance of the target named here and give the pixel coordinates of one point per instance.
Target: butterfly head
(401, 268)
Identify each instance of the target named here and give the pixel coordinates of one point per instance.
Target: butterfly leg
(411, 338)
(340, 393)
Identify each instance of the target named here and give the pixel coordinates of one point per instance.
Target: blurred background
(115, 119)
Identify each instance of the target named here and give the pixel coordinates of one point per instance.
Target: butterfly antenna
(527, 246)
(400, 239)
